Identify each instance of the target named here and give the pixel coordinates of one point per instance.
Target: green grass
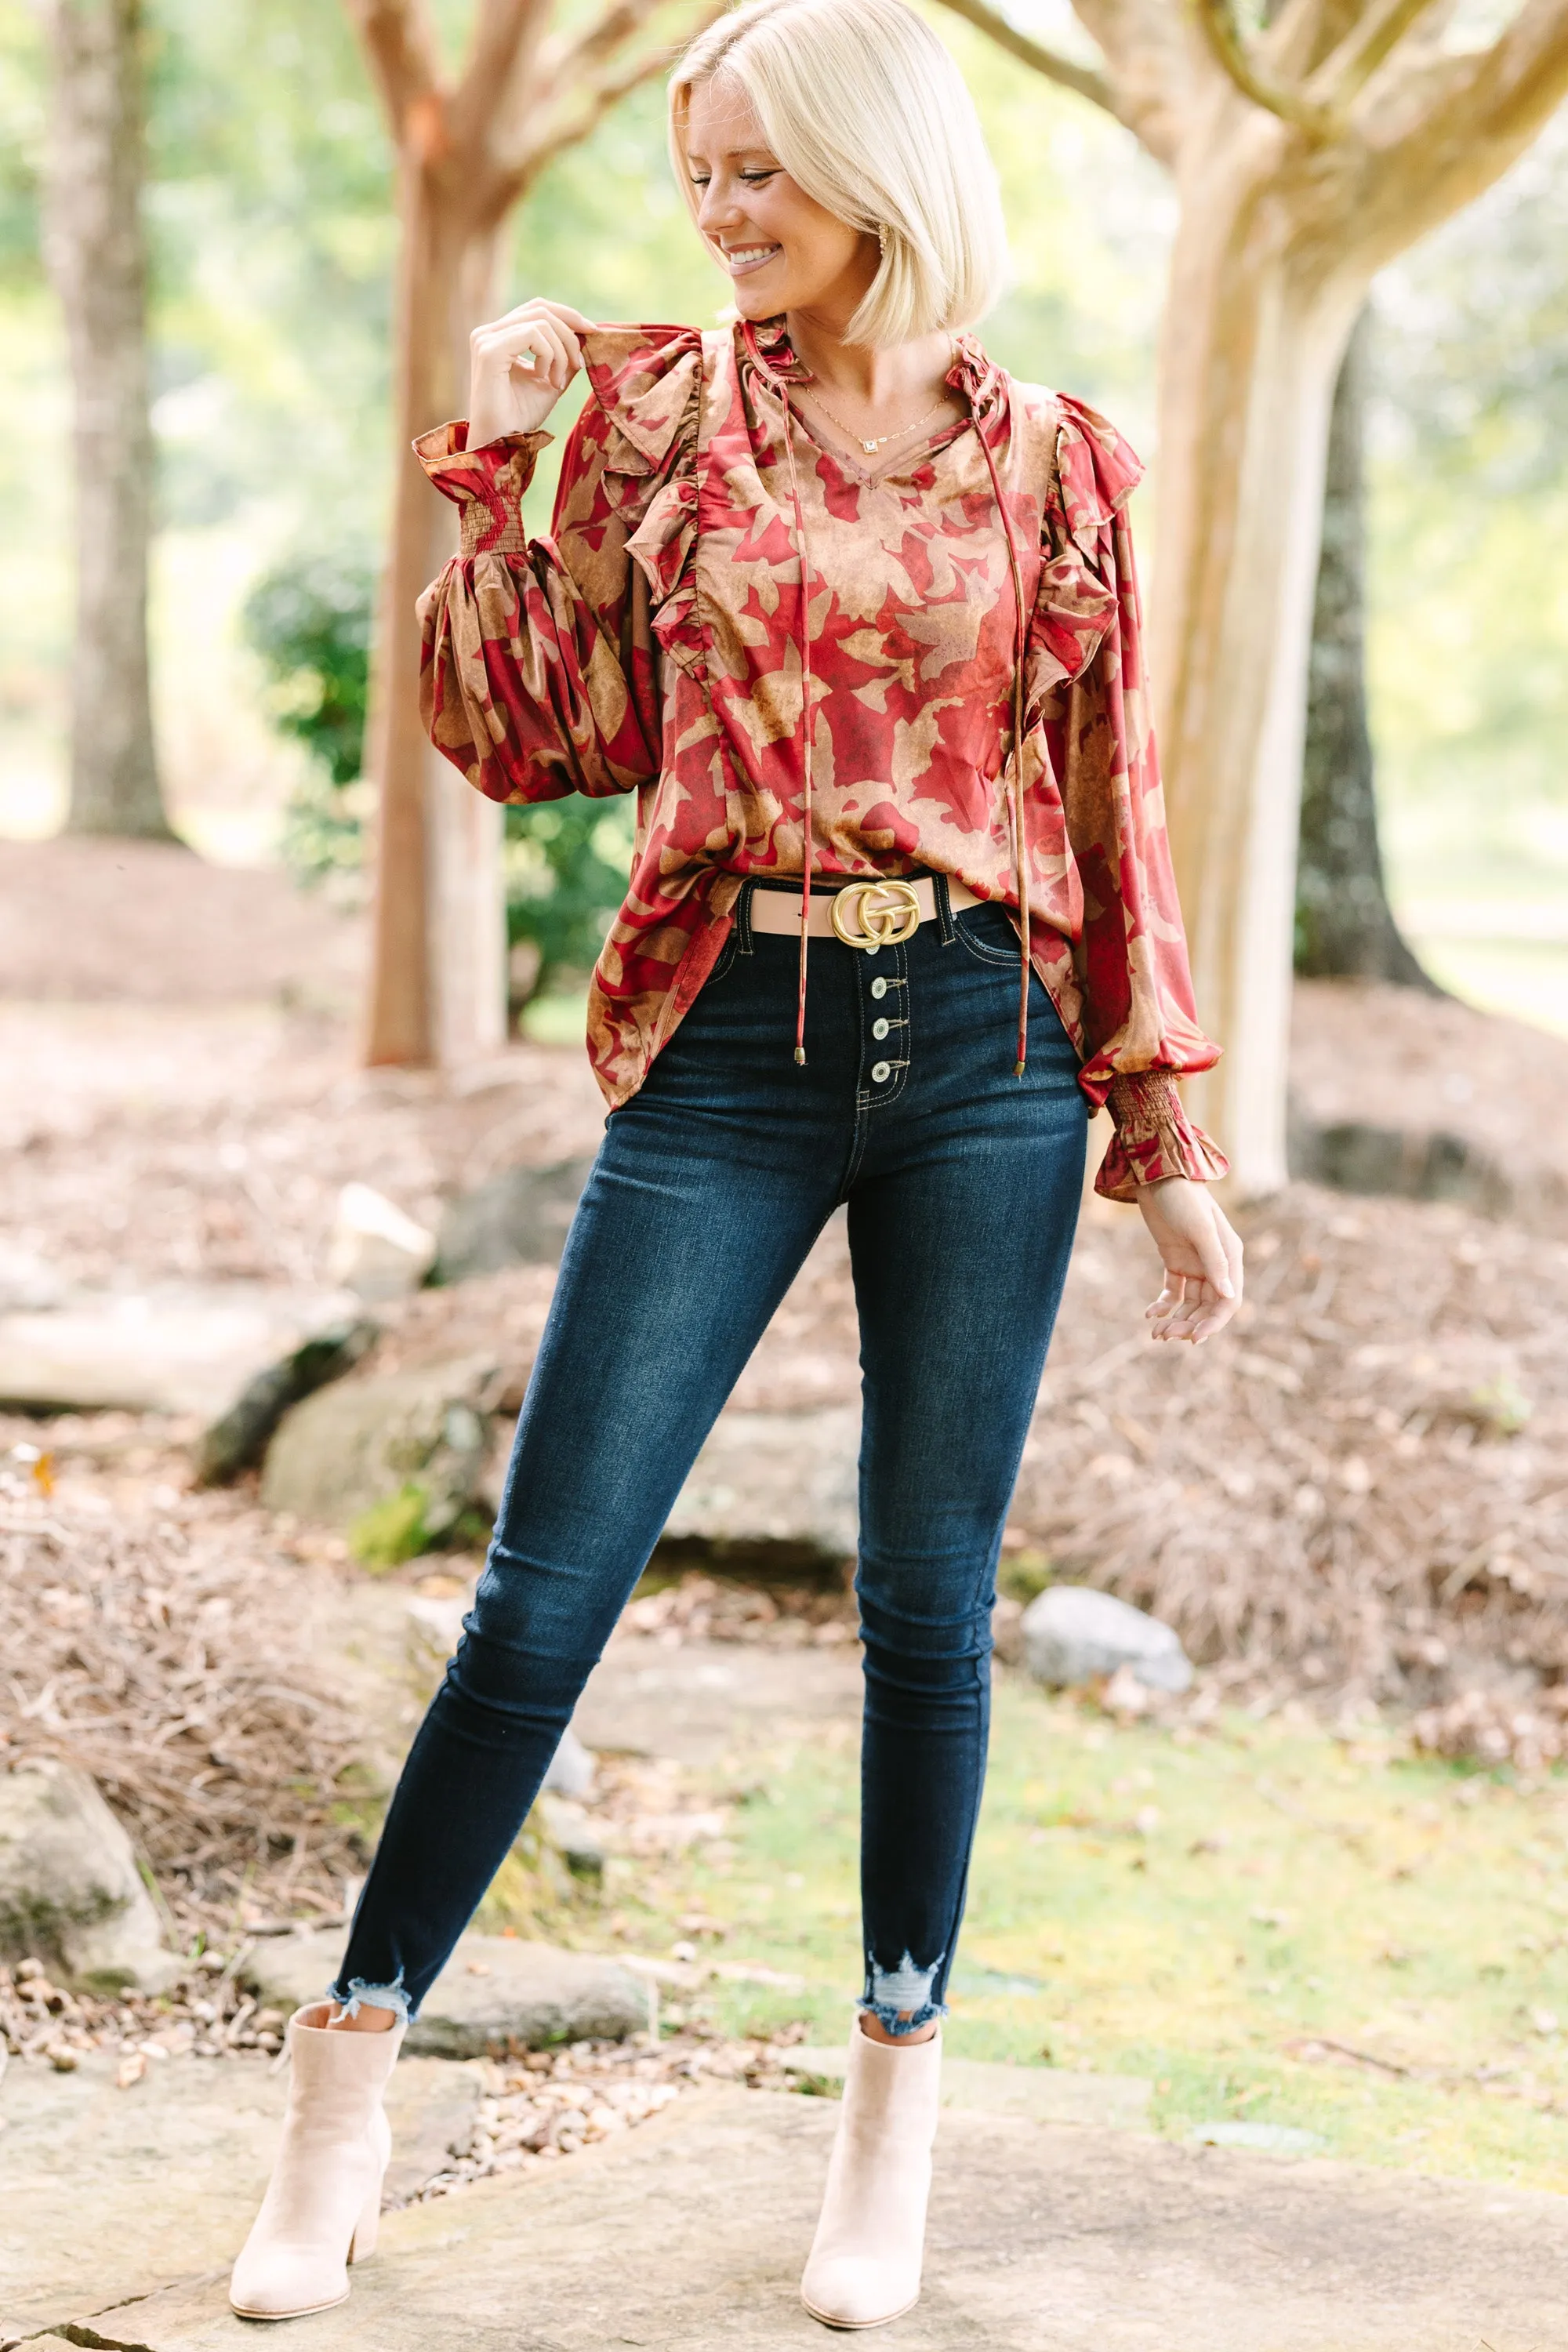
(1196, 1909)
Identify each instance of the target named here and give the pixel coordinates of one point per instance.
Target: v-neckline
(909, 463)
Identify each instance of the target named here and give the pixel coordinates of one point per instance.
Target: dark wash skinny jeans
(963, 1184)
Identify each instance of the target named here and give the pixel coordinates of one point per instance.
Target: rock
(495, 1992)
(1357, 1156)
(434, 1630)
(571, 1772)
(1073, 1634)
(26, 1282)
(238, 1439)
(360, 1442)
(519, 1218)
(710, 1700)
(781, 1483)
(569, 1831)
(70, 1885)
(180, 1347)
(377, 1252)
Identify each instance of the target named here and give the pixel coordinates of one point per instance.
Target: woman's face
(783, 250)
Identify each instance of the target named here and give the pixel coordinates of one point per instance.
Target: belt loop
(743, 917)
(944, 909)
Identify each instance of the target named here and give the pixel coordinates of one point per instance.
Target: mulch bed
(166, 1652)
(207, 2014)
(1360, 1488)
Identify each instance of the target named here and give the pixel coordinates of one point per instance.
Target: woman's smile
(739, 260)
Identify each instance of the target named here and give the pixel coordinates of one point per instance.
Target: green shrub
(1024, 1575)
(566, 868)
(309, 619)
(394, 1530)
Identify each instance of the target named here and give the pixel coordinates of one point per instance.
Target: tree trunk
(95, 246)
(438, 968)
(1253, 328)
(1344, 925)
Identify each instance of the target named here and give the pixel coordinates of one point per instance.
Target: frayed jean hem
(900, 1998)
(361, 1995)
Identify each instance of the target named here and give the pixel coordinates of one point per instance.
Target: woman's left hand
(1201, 1252)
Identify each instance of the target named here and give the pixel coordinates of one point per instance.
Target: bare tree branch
(1087, 80)
(400, 47)
(569, 61)
(1219, 29)
(1434, 142)
(1153, 58)
(1302, 33)
(503, 31)
(1351, 65)
(592, 103)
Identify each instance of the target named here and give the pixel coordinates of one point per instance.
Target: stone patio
(687, 2235)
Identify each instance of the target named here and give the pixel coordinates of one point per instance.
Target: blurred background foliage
(273, 237)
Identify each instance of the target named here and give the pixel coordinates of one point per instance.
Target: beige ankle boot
(322, 2203)
(865, 2264)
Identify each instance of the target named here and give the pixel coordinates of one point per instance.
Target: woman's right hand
(518, 367)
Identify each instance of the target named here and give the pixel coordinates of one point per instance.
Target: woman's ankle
(364, 2017)
(875, 2031)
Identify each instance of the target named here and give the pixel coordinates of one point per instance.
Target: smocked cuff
(486, 485)
(1154, 1138)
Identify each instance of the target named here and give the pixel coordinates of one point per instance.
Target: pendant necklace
(871, 448)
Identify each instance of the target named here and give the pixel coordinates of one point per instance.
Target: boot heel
(363, 2245)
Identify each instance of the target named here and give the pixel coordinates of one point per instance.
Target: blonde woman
(854, 615)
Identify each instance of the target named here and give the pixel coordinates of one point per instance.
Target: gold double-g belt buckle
(888, 913)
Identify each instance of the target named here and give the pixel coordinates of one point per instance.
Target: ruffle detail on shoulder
(487, 484)
(1097, 468)
(1154, 1138)
(1075, 603)
(1073, 610)
(646, 380)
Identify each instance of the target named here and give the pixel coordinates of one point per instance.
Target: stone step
(179, 1348)
(495, 1992)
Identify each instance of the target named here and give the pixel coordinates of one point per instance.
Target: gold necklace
(871, 448)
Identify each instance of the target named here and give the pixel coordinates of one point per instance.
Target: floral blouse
(653, 643)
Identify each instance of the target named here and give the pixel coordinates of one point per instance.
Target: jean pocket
(987, 933)
(727, 954)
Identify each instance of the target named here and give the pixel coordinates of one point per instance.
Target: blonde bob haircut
(866, 111)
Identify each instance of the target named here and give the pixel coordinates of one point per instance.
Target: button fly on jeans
(880, 1029)
(878, 986)
(880, 1073)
